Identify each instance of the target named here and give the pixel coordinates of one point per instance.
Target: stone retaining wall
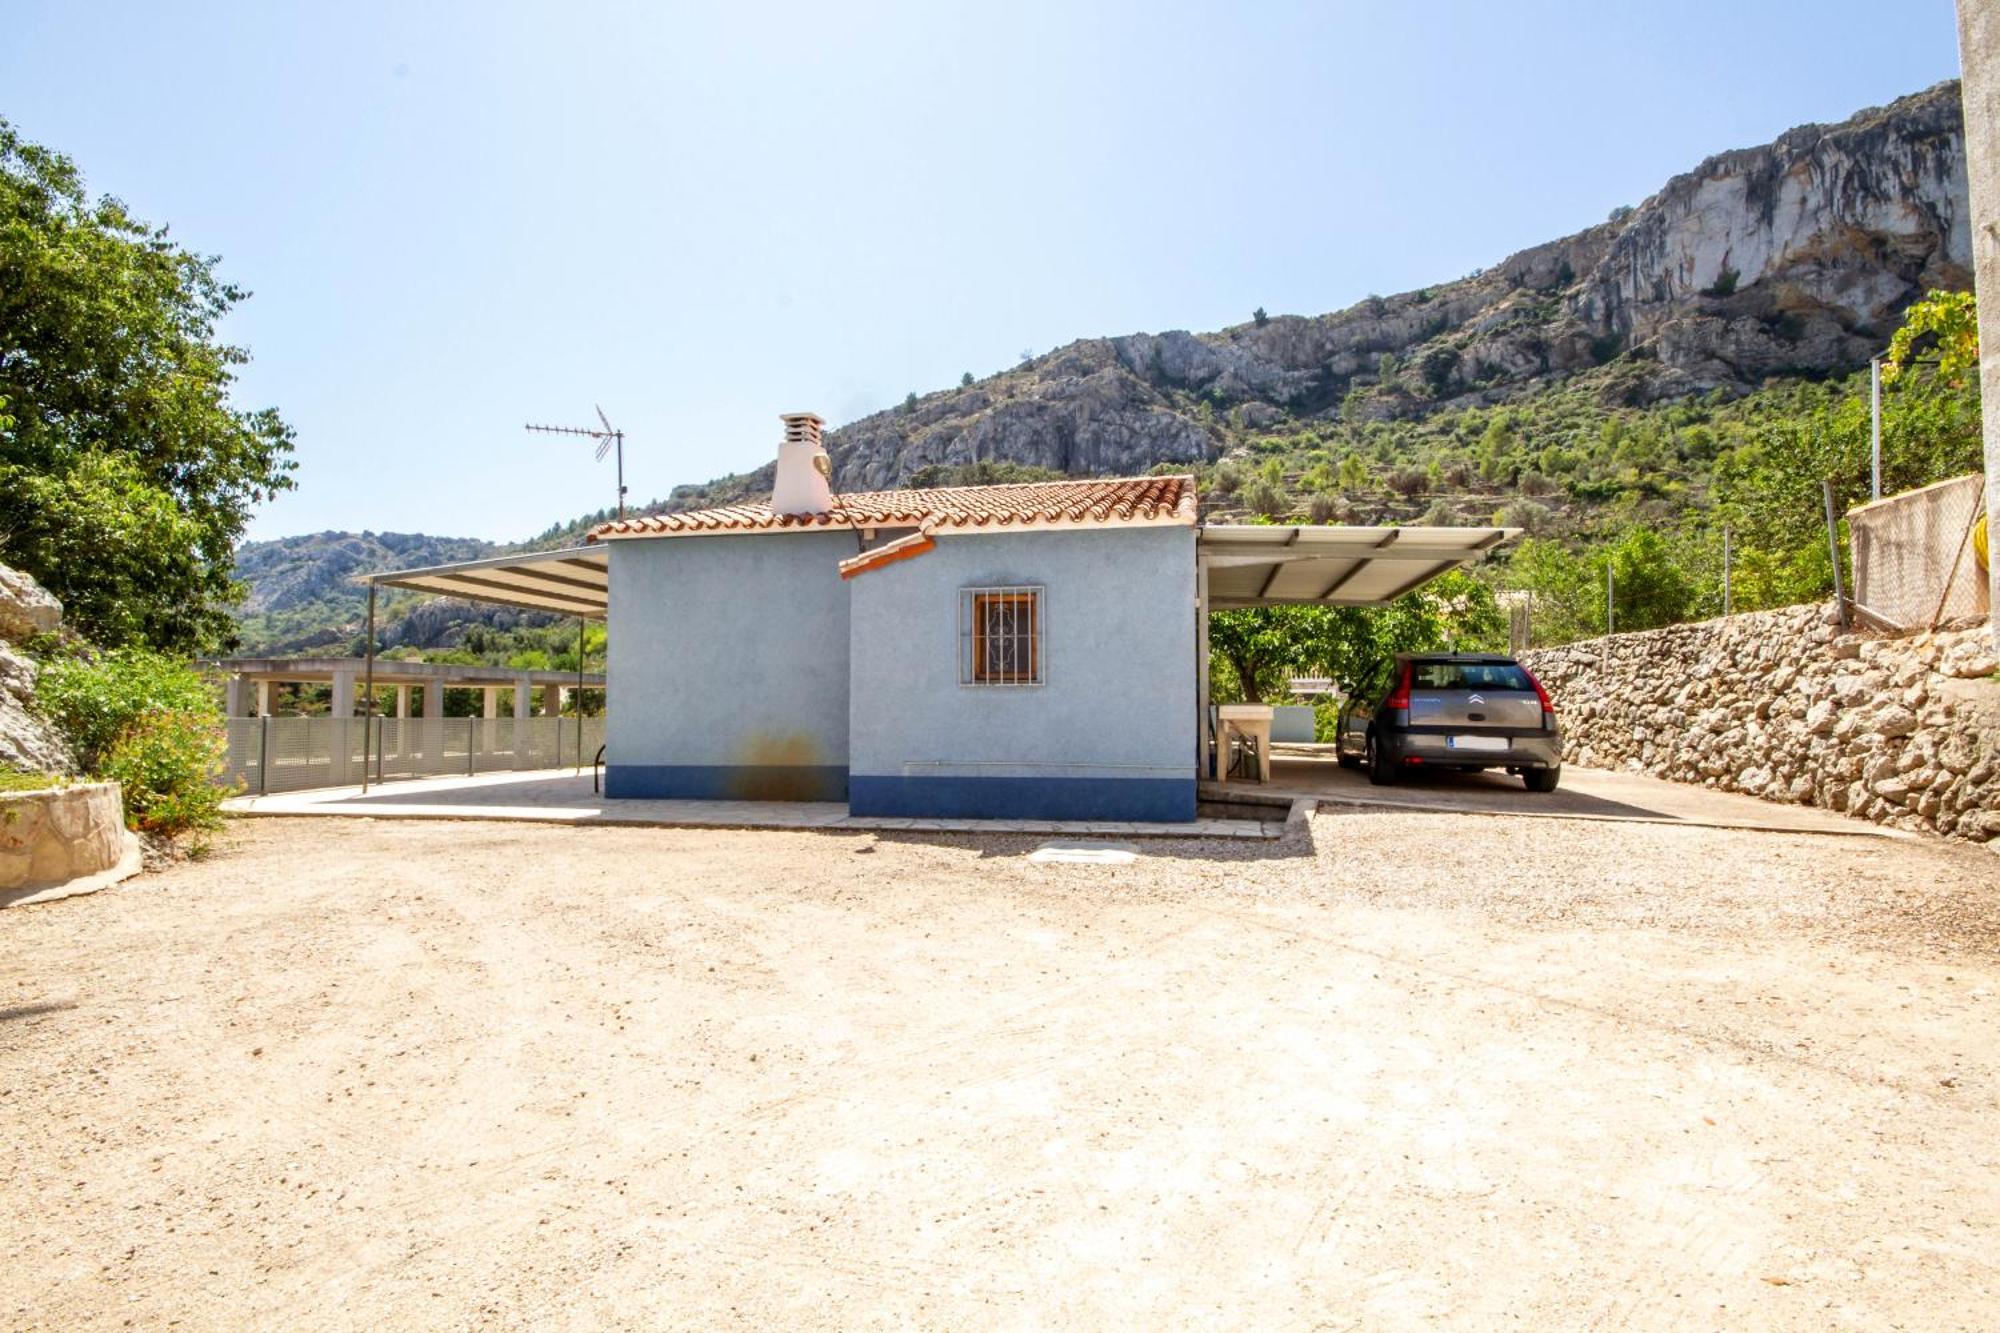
(1783, 705)
(63, 841)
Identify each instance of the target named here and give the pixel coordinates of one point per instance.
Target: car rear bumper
(1541, 749)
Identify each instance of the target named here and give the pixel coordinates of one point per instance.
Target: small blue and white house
(1036, 650)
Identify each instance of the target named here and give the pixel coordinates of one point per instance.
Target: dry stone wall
(1785, 705)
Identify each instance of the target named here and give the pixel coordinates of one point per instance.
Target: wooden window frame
(976, 667)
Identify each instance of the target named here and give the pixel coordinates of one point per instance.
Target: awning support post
(1204, 744)
(368, 691)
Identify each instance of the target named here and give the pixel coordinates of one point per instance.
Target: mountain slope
(1786, 261)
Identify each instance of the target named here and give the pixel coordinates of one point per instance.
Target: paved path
(1586, 793)
(558, 796)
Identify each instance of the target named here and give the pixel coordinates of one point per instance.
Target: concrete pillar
(235, 697)
(346, 734)
(1979, 55)
(434, 726)
(552, 700)
(263, 698)
(524, 750)
(489, 704)
(342, 704)
(402, 701)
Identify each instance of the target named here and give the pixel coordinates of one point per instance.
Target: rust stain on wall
(779, 767)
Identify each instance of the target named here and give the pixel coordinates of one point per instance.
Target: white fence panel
(275, 754)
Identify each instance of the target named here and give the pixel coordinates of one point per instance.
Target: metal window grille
(1000, 636)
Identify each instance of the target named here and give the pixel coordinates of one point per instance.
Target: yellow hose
(1979, 543)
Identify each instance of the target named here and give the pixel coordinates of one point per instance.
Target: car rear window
(1468, 676)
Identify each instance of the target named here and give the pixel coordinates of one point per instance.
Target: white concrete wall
(1117, 708)
(728, 671)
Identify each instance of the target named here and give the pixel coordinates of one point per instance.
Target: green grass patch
(18, 780)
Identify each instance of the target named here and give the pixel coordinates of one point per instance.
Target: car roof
(1498, 659)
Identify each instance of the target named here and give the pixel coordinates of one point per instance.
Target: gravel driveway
(1411, 1070)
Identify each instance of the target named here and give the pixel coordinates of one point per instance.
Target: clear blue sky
(459, 218)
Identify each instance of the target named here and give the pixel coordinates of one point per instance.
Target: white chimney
(804, 470)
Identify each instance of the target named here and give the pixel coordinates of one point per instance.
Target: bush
(146, 721)
(167, 766)
(1265, 497)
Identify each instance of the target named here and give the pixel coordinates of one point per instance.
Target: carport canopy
(1244, 564)
(1256, 564)
(574, 581)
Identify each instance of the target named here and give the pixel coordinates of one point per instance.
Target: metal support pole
(579, 693)
(368, 692)
(1203, 751)
(1875, 427)
(619, 436)
(1833, 550)
(1725, 569)
(264, 755)
(1610, 598)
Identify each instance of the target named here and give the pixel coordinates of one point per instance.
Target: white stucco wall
(728, 668)
(1118, 705)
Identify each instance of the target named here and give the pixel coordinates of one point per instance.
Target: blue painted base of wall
(1148, 800)
(725, 782)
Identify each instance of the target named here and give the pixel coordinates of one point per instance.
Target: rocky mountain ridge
(1795, 258)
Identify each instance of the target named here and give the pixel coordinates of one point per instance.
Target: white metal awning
(1255, 564)
(574, 581)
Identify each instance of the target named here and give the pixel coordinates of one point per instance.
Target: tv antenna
(607, 439)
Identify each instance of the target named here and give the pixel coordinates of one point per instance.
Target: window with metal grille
(1000, 636)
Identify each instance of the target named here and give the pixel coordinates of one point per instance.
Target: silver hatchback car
(1463, 711)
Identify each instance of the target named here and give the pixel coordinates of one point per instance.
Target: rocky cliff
(1797, 257)
(27, 742)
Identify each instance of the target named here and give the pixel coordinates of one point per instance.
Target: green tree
(126, 474)
(1260, 318)
(1951, 321)
(965, 380)
(1259, 648)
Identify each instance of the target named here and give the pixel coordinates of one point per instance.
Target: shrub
(167, 765)
(1228, 476)
(1260, 317)
(1323, 508)
(1265, 497)
(93, 698)
(146, 721)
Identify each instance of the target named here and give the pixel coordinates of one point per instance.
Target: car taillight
(1548, 704)
(1400, 696)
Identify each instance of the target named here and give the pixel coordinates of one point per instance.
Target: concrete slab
(1301, 772)
(560, 796)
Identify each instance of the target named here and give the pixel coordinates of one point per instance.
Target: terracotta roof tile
(1098, 503)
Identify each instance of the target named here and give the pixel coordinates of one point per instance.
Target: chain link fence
(1915, 562)
(274, 754)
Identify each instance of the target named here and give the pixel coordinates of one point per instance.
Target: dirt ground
(1411, 1070)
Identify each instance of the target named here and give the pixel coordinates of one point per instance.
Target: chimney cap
(802, 428)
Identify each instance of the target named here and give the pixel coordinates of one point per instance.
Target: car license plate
(1476, 743)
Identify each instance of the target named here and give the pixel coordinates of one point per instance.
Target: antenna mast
(607, 439)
